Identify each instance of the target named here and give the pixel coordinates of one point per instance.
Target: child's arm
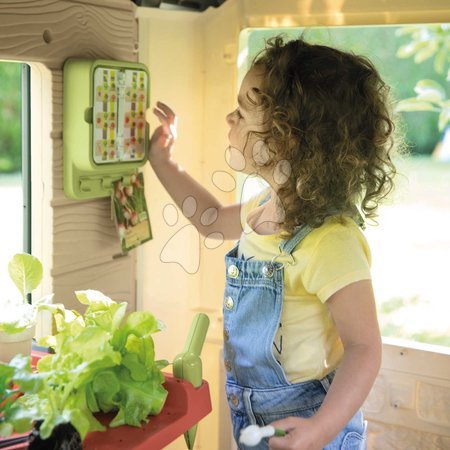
(210, 216)
(354, 313)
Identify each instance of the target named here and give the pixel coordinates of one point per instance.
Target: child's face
(247, 117)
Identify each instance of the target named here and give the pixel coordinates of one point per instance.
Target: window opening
(15, 185)
(410, 247)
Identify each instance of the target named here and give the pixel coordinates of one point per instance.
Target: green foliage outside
(381, 44)
(431, 95)
(10, 121)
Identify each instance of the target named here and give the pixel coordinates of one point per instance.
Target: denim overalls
(257, 389)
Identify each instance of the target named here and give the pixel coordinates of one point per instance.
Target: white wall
(191, 69)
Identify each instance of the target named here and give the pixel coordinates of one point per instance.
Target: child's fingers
(167, 118)
(277, 443)
(169, 113)
(297, 430)
(282, 442)
(164, 120)
(171, 116)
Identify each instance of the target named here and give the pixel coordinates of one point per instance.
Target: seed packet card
(130, 212)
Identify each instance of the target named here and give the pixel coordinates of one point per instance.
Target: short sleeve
(340, 257)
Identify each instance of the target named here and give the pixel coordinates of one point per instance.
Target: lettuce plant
(13, 417)
(103, 361)
(17, 314)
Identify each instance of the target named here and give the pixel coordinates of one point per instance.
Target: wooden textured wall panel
(77, 240)
(102, 277)
(52, 31)
(89, 227)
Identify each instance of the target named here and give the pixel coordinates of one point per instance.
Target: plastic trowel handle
(188, 365)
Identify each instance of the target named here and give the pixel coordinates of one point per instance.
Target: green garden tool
(188, 365)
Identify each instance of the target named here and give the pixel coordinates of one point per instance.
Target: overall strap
(288, 246)
(353, 213)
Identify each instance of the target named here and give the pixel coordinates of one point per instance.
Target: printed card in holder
(130, 213)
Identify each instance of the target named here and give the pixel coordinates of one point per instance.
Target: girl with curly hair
(302, 344)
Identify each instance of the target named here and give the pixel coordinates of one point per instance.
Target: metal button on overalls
(267, 271)
(229, 303)
(234, 399)
(226, 336)
(227, 363)
(233, 271)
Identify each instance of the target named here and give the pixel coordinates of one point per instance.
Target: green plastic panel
(105, 135)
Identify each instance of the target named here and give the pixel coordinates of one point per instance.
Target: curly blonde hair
(327, 112)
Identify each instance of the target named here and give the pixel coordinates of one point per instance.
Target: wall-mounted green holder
(105, 135)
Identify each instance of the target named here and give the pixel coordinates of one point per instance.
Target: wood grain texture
(80, 237)
(50, 31)
(102, 277)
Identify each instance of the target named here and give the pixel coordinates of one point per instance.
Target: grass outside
(410, 254)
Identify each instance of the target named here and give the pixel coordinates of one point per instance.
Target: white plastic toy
(253, 434)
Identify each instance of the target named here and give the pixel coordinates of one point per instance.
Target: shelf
(185, 406)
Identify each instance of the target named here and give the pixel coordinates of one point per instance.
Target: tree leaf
(426, 52)
(26, 272)
(430, 90)
(406, 30)
(440, 60)
(409, 49)
(413, 104)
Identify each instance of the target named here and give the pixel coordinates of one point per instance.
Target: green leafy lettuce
(25, 271)
(15, 378)
(103, 361)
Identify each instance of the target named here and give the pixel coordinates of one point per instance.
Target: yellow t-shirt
(329, 258)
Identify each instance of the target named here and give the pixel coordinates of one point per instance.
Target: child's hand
(300, 435)
(164, 136)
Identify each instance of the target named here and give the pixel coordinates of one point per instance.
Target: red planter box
(185, 406)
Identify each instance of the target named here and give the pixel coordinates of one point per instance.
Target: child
(302, 345)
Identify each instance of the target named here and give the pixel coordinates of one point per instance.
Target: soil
(64, 437)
